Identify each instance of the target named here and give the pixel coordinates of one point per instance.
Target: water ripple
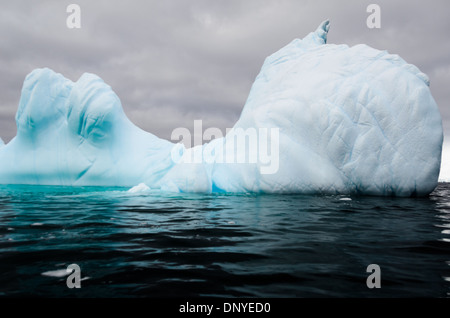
(159, 244)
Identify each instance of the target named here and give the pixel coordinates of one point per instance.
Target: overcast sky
(171, 62)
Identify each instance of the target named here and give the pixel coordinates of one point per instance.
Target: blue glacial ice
(350, 120)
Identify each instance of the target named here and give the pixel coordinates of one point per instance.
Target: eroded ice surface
(348, 120)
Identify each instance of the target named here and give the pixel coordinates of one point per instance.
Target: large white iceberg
(345, 120)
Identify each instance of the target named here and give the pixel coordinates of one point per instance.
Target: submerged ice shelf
(348, 120)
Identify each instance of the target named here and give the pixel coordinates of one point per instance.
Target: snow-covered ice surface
(350, 120)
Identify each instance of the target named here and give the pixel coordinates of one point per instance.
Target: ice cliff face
(334, 119)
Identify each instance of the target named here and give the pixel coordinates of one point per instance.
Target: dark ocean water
(185, 245)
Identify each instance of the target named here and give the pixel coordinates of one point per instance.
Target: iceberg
(141, 187)
(345, 120)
